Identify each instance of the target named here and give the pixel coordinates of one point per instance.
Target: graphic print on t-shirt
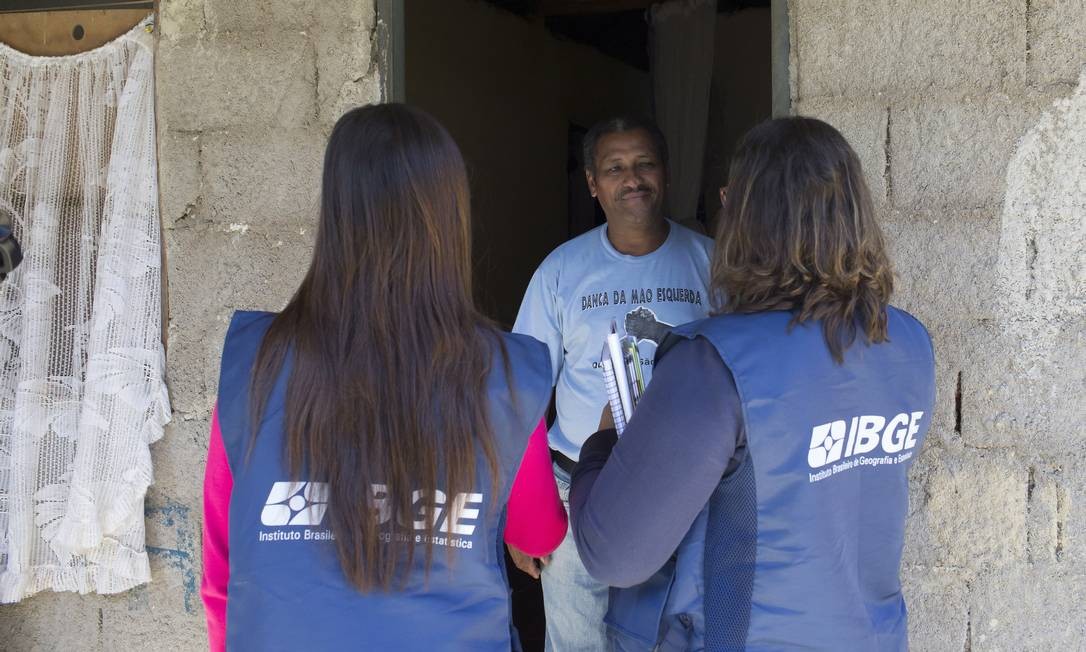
(642, 324)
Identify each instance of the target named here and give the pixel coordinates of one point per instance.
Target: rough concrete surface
(863, 49)
(939, 609)
(984, 177)
(943, 150)
(271, 177)
(230, 79)
(864, 124)
(1034, 607)
(1057, 40)
(983, 495)
(917, 238)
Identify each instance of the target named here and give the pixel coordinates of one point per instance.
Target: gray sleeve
(540, 316)
(632, 504)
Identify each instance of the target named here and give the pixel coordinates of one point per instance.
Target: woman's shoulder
(528, 357)
(242, 318)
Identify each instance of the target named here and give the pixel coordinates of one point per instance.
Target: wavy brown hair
(389, 354)
(797, 232)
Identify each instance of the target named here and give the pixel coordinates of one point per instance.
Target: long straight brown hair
(798, 232)
(389, 354)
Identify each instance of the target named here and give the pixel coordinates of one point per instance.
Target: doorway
(518, 83)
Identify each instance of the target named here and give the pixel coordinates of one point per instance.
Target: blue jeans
(575, 604)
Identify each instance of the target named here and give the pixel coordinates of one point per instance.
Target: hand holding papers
(622, 376)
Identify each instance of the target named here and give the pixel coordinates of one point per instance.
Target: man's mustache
(624, 193)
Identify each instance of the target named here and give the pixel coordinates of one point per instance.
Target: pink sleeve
(218, 484)
(535, 520)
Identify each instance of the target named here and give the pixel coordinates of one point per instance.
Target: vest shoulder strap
(243, 339)
(520, 392)
(530, 363)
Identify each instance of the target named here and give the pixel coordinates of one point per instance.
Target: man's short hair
(620, 124)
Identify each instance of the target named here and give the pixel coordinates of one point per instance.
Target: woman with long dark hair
(375, 442)
(757, 498)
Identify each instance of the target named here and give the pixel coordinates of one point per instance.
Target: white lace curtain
(683, 40)
(82, 391)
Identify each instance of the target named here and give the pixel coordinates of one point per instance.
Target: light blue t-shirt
(583, 285)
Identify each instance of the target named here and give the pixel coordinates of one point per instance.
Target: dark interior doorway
(518, 83)
(583, 212)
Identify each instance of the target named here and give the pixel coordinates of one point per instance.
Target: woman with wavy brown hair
(376, 441)
(757, 499)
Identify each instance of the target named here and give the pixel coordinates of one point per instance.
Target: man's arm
(631, 505)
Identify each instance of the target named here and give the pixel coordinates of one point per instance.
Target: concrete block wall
(970, 120)
(247, 94)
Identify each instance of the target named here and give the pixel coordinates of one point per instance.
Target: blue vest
(287, 590)
(799, 547)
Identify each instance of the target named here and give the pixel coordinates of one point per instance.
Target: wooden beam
(19, 6)
(580, 7)
(53, 33)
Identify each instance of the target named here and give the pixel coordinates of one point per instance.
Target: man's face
(629, 178)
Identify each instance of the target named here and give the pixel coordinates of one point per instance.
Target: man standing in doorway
(644, 272)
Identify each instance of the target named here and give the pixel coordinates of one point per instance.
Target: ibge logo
(838, 440)
(295, 503)
(827, 444)
(456, 516)
(445, 520)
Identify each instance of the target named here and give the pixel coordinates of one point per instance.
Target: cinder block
(1044, 518)
(937, 599)
(180, 18)
(155, 616)
(251, 79)
(1035, 607)
(944, 263)
(968, 509)
(175, 497)
(271, 16)
(918, 550)
(1071, 508)
(863, 124)
(948, 365)
(193, 377)
(860, 48)
(1025, 385)
(943, 419)
(344, 41)
(343, 59)
(257, 177)
(52, 621)
(953, 155)
(1056, 40)
(347, 78)
(178, 175)
(242, 270)
(351, 15)
(958, 343)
